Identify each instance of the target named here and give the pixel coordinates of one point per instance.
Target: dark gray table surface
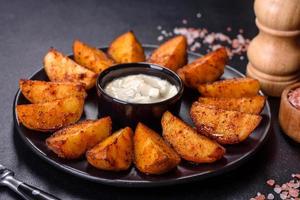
(29, 28)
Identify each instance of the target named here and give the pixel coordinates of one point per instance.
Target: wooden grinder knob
(274, 54)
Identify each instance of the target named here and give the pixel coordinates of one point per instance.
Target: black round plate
(185, 172)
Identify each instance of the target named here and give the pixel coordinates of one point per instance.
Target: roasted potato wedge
(52, 115)
(73, 141)
(226, 127)
(236, 88)
(61, 68)
(151, 154)
(205, 69)
(126, 48)
(190, 145)
(42, 91)
(171, 54)
(115, 153)
(92, 58)
(250, 105)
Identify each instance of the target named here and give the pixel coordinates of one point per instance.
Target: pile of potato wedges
(226, 113)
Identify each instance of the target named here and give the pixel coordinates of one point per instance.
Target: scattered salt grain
(270, 182)
(160, 38)
(235, 45)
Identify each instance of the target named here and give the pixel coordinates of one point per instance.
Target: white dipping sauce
(140, 88)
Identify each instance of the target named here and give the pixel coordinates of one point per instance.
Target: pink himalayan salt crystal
(294, 99)
(293, 192)
(270, 196)
(184, 21)
(277, 189)
(296, 176)
(271, 182)
(260, 197)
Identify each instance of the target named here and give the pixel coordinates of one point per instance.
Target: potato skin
(226, 127)
(250, 105)
(205, 69)
(73, 141)
(51, 116)
(171, 54)
(236, 88)
(115, 153)
(42, 91)
(126, 48)
(151, 154)
(92, 58)
(61, 68)
(190, 145)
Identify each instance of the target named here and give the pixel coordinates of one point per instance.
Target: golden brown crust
(52, 115)
(126, 48)
(42, 91)
(205, 69)
(190, 145)
(235, 88)
(91, 57)
(250, 105)
(152, 154)
(171, 54)
(226, 127)
(61, 68)
(115, 153)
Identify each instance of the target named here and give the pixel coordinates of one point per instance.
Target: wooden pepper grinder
(274, 54)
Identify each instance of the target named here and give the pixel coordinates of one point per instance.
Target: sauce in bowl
(141, 88)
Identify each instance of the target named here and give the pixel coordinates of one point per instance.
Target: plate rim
(144, 183)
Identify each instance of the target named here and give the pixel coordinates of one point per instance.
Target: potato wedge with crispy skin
(126, 48)
(52, 115)
(92, 58)
(190, 145)
(115, 153)
(171, 54)
(226, 127)
(73, 141)
(205, 69)
(236, 88)
(250, 105)
(42, 91)
(151, 154)
(61, 68)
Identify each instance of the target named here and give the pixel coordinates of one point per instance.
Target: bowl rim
(142, 64)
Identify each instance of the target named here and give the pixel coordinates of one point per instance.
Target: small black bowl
(129, 114)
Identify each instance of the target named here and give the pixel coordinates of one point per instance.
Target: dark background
(29, 28)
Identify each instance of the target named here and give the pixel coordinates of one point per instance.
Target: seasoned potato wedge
(151, 154)
(52, 115)
(205, 69)
(42, 91)
(90, 57)
(61, 68)
(190, 145)
(126, 48)
(115, 153)
(250, 105)
(73, 141)
(237, 87)
(226, 127)
(171, 54)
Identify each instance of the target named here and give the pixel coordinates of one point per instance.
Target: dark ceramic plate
(185, 172)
